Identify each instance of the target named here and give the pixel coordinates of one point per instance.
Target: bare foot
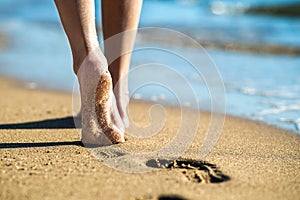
(122, 99)
(101, 122)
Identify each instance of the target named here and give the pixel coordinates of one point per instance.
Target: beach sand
(41, 156)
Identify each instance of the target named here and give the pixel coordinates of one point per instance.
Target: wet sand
(41, 156)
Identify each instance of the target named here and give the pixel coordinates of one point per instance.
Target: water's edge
(25, 84)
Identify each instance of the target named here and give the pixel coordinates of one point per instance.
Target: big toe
(115, 135)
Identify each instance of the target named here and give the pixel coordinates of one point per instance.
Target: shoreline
(24, 84)
(41, 156)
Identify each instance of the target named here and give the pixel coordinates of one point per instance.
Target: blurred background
(254, 44)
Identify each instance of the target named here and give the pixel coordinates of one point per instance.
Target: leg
(99, 113)
(117, 17)
(78, 19)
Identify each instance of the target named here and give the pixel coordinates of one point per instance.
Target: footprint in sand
(194, 171)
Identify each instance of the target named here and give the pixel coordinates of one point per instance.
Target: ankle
(91, 60)
(80, 54)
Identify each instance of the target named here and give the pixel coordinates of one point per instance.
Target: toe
(115, 135)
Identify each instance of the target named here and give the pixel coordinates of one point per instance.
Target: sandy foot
(122, 99)
(101, 121)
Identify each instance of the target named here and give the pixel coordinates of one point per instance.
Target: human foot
(122, 99)
(101, 122)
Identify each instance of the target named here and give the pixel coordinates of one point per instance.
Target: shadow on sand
(58, 123)
(38, 144)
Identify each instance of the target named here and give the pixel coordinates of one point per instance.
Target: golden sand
(41, 157)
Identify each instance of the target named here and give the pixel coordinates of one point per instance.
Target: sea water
(259, 85)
